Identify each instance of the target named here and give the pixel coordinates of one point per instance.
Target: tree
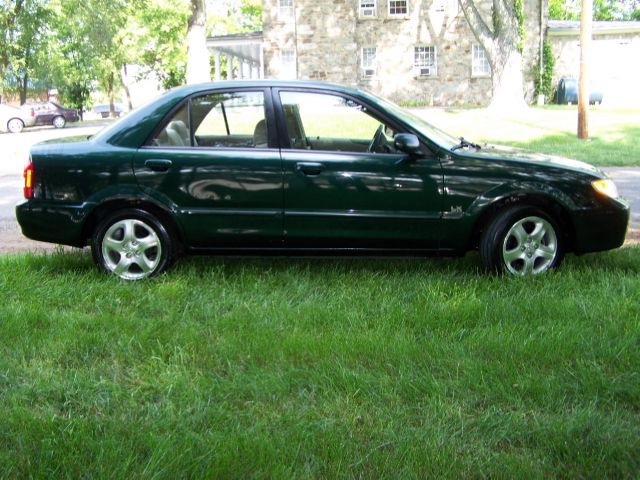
(503, 46)
(603, 10)
(198, 64)
(23, 44)
(226, 17)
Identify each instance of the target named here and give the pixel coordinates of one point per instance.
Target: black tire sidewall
(166, 243)
(492, 239)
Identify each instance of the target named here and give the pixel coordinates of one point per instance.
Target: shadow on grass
(620, 148)
(79, 263)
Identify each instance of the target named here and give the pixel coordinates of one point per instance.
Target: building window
(367, 8)
(479, 63)
(285, 9)
(398, 7)
(424, 61)
(368, 62)
(288, 64)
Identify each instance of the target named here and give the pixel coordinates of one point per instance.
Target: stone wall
(614, 66)
(328, 38)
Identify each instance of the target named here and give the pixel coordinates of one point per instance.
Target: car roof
(231, 84)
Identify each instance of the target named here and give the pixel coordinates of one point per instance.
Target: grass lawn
(281, 368)
(614, 134)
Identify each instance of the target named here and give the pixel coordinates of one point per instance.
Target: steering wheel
(378, 140)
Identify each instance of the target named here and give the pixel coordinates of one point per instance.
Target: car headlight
(606, 187)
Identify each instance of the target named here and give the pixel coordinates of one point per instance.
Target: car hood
(501, 152)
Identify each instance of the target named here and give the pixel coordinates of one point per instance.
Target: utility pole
(584, 90)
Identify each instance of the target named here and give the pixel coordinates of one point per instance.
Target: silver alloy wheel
(530, 246)
(15, 125)
(131, 249)
(59, 122)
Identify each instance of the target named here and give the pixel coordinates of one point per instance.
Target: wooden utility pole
(584, 90)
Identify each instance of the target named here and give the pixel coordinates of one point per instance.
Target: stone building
(614, 65)
(407, 50)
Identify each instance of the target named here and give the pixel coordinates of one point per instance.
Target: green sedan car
(265, 167)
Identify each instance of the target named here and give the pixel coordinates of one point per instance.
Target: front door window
(333, 123)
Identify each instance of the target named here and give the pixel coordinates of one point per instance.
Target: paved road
(14, 155)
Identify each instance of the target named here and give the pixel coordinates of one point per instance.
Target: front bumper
(603, 228)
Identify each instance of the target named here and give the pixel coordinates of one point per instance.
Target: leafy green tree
(235, 17)
(158, 36)
(23, 45)
(603, 10)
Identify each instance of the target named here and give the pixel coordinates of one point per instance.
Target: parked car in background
(51, 113)
(14, 119)
(307, 168)
(102, 110)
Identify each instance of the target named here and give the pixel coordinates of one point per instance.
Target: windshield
(434, 134)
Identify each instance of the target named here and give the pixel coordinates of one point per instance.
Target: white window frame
(480, 66)
(286, 9)
(288, 68)
(368, 8)
(421, 60)
(368, 70)
(406, 8)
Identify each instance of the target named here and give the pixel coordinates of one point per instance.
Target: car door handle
(158, 165)
(310, 168)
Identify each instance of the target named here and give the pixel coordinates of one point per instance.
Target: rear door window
(218, 120)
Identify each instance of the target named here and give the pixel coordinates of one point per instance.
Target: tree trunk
(23, 89)
(198, 62)
(112, 106)
(507, 89)
(501, 47)
(583, 90)
(125, 85)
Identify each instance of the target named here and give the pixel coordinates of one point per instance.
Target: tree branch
(478, 26)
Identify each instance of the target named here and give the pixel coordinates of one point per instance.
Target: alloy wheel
(530, 246)
(131, 249)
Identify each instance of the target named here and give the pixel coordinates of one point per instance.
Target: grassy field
(614, 134)
(324, 368)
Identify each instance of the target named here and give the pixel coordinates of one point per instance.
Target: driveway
(14, 149)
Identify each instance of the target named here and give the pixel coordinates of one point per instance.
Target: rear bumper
(601, 229)
(51, 223)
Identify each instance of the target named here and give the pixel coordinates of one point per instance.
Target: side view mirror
(407, 143)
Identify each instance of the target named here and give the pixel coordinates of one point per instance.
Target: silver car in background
(14, 119)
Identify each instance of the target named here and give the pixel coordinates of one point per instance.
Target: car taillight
(33, 112)
(28, 181)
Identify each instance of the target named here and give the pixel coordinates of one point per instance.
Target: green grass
(613, 141)
(296, 368)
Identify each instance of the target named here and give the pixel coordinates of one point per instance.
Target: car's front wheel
(132, 244)
(59, 121)
(522, 240)
(15, 125)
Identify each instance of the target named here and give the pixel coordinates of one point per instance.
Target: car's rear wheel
(59, 121)
(522, 240)
(15, 125)
(132, 244)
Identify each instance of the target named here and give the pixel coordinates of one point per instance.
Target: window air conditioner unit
(368, 72)
(425, 70)
(368, 12)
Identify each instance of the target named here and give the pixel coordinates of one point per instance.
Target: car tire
(15, 125)
(522, 240)
(132, 244)
(59, 121)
